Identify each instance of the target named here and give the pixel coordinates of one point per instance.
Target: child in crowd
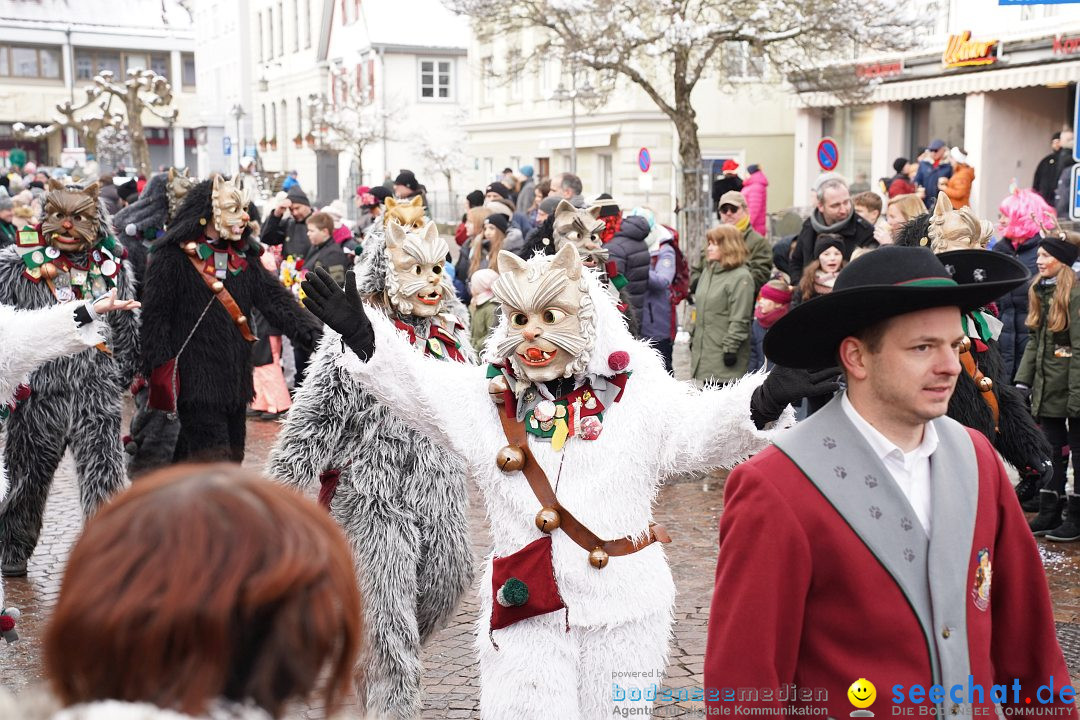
(482, 306)
(773, 302)
(819, 275)
(325, 254)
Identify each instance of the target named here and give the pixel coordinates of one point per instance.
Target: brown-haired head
(730, 245)
(206, 582)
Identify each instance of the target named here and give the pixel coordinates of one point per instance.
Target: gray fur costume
(401, 502)
(75, 402)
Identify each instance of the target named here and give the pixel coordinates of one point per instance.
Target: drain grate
(1069, 636)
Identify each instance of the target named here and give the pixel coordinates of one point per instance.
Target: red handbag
(164, 386)
(532, 567)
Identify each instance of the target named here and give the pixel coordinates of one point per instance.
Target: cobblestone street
(689, 508)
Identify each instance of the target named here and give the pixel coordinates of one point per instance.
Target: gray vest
(931, 571)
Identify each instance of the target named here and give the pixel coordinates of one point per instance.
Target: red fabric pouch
(163, 387)
(532, 565)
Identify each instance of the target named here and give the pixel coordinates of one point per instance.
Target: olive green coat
(1054, 380)
(724, 302)
(759, 263)
(481, 320)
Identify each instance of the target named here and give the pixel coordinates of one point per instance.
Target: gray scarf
(818, 223)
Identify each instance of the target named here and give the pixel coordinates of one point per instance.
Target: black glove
(788, 386)
(1025, 392)
(341, 310)
(729, 359)
(1042, 470)
(309, 340)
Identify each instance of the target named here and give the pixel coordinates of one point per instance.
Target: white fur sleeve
(712, 428)
(442, 399)
(29, 338)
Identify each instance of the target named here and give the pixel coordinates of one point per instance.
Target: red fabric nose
(66, 225)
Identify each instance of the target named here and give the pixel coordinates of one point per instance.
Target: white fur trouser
(540, 670)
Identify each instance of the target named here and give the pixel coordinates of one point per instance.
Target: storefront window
(853, 130)
(941, 118)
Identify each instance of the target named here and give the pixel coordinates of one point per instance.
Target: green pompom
(513, 593)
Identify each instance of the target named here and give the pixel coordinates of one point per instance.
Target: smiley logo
(862, 694)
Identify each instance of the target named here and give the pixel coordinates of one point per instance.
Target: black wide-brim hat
(883, 284)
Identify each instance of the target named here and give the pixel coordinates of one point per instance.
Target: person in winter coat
(1024, 214)
(474, 199)
(483, 250)
(324, 252)
(1047, 376)
(932, 169)
(729, 180)
(202, 592)
(724, 299)
(8, 229)
(834, 214)
(900, 183)
(734, 209)
(756, 190)
(527, 193)
(1048, 170)
(289, 231)
(773, 303)
(819, 276)
(958, 187)
(658, 317)
(482, 306)
(630, 253)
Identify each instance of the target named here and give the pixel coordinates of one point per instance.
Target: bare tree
(666, 47)
(445, 157)
(350, 120)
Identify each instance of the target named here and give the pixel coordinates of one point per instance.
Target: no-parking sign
(644, 160)
(828, 156)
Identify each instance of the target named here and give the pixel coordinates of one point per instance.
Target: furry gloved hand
(787, 386)
(341, 310)
(729, 359)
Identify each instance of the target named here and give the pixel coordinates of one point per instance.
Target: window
(30, 62)
(296, 25)
(280, 29)
(307, 23)
(264, 128)
(549, 76)
(435, 79)
(299, 117)
(515, 77)
(259, 32)
(487, 76)
(743, 61)
(160, 65)
(187, 60)
(270, 34)
(89, 63)
(135, 61)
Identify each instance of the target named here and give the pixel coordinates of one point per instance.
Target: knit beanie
(501, 222)
(475, 199)
(825, 241)
(297, 196)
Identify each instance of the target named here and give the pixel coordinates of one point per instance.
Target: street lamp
(237, 112)
(575, 93)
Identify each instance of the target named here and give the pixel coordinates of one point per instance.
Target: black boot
(1027, 492)
(1049, 517)
(1068, 531)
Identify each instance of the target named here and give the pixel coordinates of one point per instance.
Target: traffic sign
(644, 160)
(1075, 209)
(828, 156)
(226, 145)
(1076, 128)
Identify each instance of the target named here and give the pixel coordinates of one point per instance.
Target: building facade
(50, 50)
(551, 118)
(995, 81)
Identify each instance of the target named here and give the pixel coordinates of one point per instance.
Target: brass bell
(241, 320)
(510, 459)
(190, 248)
(48, 271)
(547, 519)
(985, 384)
(496, 387)
(598, 559)
(217, 286)
(965, 344)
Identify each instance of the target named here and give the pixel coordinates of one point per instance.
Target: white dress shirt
(910, 470)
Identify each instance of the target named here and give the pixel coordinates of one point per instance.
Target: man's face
(7, 215)
(914, 371)
(299, 212)
(732, 214)
(488, 197)
(400, 191)
(835, 205)
(1067, 139)
(566, 192)
(938, 154)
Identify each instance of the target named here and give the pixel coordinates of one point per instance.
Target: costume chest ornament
(217, 263)
(440, 342)
(67, 278)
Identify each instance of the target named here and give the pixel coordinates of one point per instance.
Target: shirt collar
(884, 447)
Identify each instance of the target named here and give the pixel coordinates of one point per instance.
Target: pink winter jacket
(754, 189)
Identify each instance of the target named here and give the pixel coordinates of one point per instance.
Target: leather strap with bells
(985, 384)
(218, 288)
(517, 456)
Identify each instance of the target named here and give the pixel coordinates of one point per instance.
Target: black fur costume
(146, 219)
(1020, 441)
(215, 370)
(75, 403)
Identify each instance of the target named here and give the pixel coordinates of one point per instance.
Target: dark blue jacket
(632, 260)
(927, 177)
(1013, 306)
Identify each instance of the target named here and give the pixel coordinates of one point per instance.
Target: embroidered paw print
(871, 481)
(840, 472)
(828, 442)
(875, 512)
(909, 554)
(906, 524)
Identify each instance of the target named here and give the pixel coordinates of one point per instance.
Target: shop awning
(960, 84)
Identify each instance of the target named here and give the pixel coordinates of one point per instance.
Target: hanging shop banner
(962, 51)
